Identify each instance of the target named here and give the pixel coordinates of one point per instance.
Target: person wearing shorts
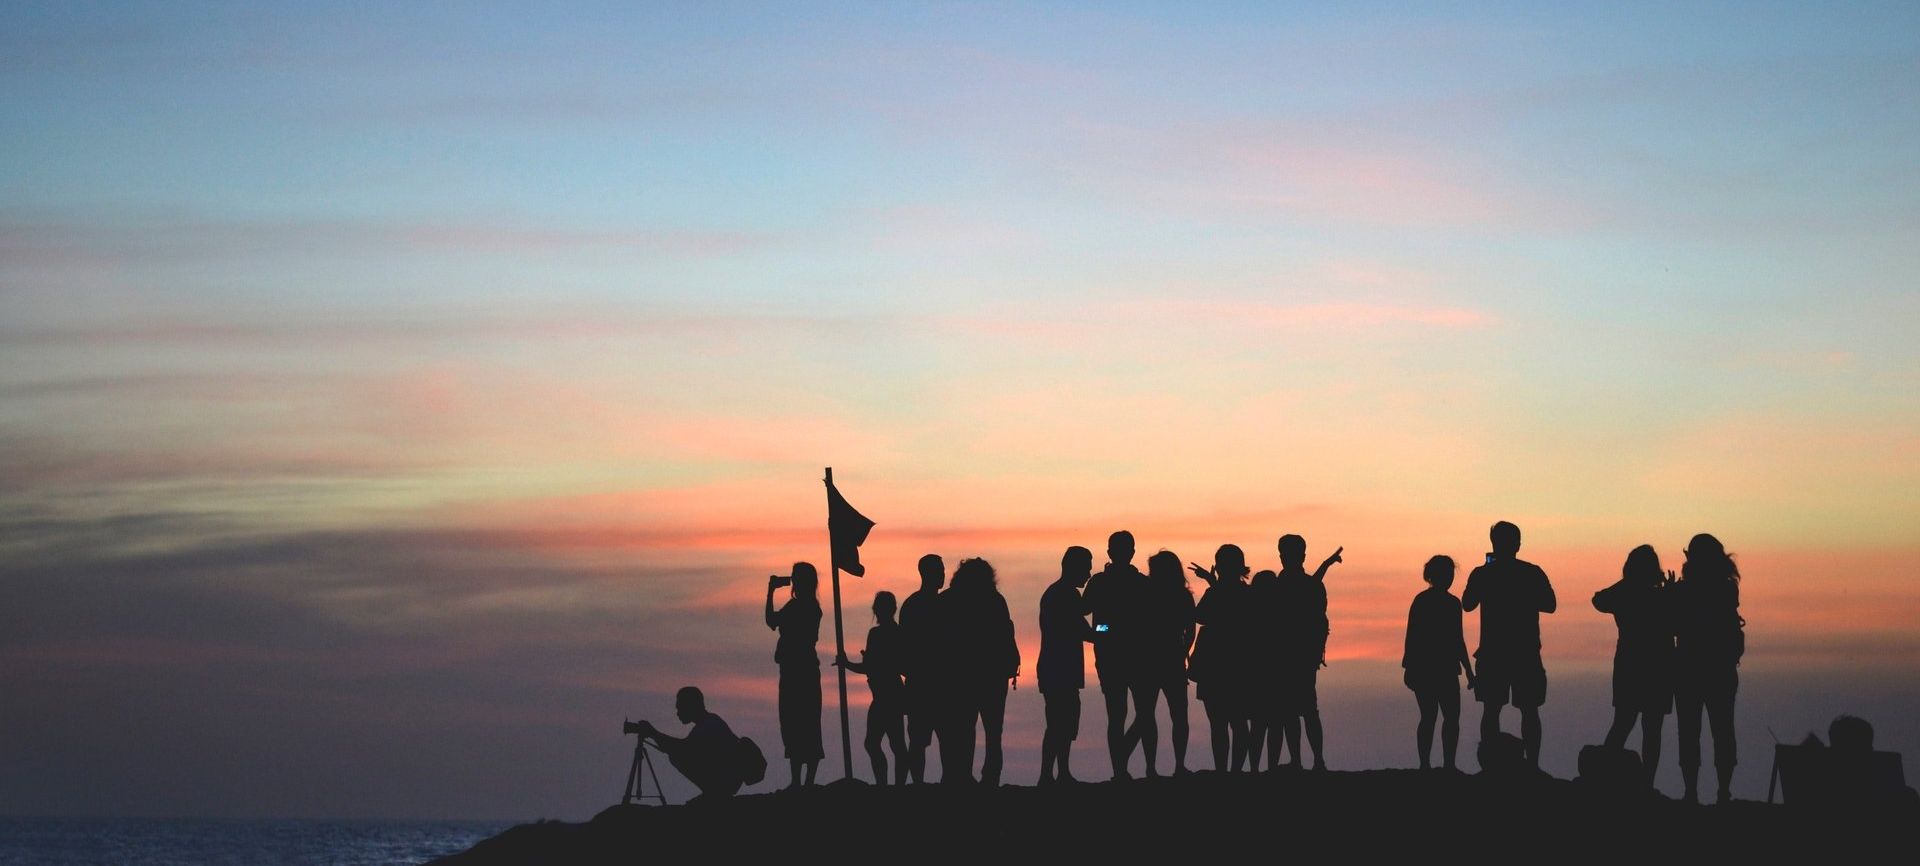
(1511, 594)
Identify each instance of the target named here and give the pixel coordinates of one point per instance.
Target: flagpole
(839, 639)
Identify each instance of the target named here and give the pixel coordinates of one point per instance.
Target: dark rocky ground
(1400, 813)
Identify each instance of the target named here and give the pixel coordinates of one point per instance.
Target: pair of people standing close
(1510, 594)
(1679, 647)
(1143, 628)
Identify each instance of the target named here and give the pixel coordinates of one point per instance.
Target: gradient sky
(394, 397)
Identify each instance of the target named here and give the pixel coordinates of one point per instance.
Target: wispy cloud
(26, 242)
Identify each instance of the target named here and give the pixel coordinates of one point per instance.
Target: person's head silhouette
(1077, 565)
(806, 581)
(689, 704)
(1120, 547)
(1229, 562)
(1707, 559)
(1642, 566)
(1293, 550)
(933, 572)
(1438, 572)
(884, 606)
(974, 575)
(1165, 569)
(1505, 538)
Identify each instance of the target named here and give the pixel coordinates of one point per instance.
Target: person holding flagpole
(798, 623)
(847, 529)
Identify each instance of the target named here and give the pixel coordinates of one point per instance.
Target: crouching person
(708, 755)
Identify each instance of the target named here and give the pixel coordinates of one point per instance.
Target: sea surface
(217, 842)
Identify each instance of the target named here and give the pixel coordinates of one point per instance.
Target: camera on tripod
(641, 770)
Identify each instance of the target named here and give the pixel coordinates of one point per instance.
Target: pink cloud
(1356, 170)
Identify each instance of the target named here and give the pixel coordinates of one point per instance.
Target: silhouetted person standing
(1436, 654)
(1710, 639)
(708, 755)
(886, 711)
(1511, 594)
(986, 657)
(1218, 664)
(1062, 668)
(1113, 600)
(798, 622)
(926, 686)
(1265, 732)
(1166, 621)
(1642, 655)
(1303, 630)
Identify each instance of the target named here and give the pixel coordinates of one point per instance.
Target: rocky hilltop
(1401, 813)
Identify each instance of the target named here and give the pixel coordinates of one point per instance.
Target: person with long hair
(1167, 612)
(986, 658)
(1643, 654)
(796, 652)
(1435, 654)
(1710, 639)
(1218, 664)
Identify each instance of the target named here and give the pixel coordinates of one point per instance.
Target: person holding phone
(1510, 594)
(1643, 653)
(1113, 598)
(798, 623)
(1062, 669)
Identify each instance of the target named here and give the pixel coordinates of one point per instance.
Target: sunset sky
(395, 397)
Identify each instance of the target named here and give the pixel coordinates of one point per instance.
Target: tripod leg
(633, 773)
(657, 793)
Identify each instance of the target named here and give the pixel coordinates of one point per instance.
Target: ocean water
(213, 842)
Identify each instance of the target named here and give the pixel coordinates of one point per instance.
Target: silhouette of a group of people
(1251, 646)
(943, 671)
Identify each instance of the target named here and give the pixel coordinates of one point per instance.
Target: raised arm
(773, 619)
(1604, 600)
(1321, 572)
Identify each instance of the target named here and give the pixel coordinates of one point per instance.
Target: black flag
(849, 529)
